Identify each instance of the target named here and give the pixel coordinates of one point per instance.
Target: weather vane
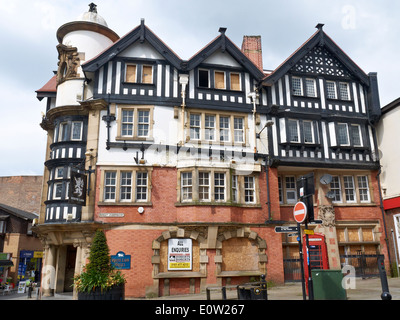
(92, 8)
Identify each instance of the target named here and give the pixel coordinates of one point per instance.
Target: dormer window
(139, 73)
(297, 86)
(204, 78)
(219, 79)
(344, 91)
(235, 81)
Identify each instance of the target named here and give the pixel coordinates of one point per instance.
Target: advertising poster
(179, 254)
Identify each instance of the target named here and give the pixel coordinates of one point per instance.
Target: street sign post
(300, 212)
(287, 229)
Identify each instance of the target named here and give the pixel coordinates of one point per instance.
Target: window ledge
(183, 274)
(125, 204)
(239, 273)
(213, 203)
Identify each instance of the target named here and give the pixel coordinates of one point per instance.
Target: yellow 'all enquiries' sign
(179, 254)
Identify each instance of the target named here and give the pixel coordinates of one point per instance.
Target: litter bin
(327, 285)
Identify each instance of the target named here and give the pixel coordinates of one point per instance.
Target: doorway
(69, 269)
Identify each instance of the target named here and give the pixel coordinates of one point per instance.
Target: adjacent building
(191, 164)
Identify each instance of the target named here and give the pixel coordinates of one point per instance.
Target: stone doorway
(69, 268)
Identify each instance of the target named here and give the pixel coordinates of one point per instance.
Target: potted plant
(99, 280)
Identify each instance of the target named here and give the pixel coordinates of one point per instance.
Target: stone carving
(68, 64)
(327, 215)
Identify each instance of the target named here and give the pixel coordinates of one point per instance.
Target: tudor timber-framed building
(206, 151)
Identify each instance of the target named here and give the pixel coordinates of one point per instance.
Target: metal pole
(395, 253)
(303, 284)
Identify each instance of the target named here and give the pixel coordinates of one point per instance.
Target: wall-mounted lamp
(269, 123)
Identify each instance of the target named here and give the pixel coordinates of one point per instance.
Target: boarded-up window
(239, 254)
(219, 80)
(354, 236)
(341, 235)
(130, 73)
(147, 76)
(235, 81)
(367, 234)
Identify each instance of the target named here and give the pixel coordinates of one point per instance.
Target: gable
(141, 50)
(222, 58)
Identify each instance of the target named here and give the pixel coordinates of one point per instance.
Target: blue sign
(121, 261)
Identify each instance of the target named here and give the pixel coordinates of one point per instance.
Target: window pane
(308, 132)
(76, 131)
(147, 76)
(224, 128)
(219, 186)
(210, 127)
(310, 87)
(235, 81)
(63, 132)
(57, 190)
(331, 89)
(126, 185)
(355, 135)
(130, 73)
(219, 80)
(344, 91)
(249, 190)
(238, 130)
(143, 123)
(363, 188)
(297, 86)
(203, 79)
(235, 196)
(335, 187)
(343, 135)
(293, 131)
(186, 183)
(195, 126)
(110, 185)
(204, 185)
(291, 192)
(141, 186)
(127, 123)
(349, 188)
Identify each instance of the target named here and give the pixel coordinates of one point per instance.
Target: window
(127, 123)
(204, 186)
(280, 190)
(335, 187)
(141, 186)
(57, 191)
(216, 185)
(311, 88)
(134, 123)
(249, 189)
(355, 131)
(343, 134)
(76, 132)
(219, 186)
(204, 78)
(219, 78)
(209, 127)
(110, 185)
(186, 183)
(130, 73)
(2, 226)
(143, 123)
(235, 81)
(363, 188)
(224, 128)
(129, 185)
(216, 127)
(235, 197)
(297, 86)
(349, 191)
(63, 132)
(195, 126)
(290, 187)
(344, 93)
(59, 173)
(331, 90)
(308, 131)
(238, 129)
(126, 186)
(293, 130)
(147, 74)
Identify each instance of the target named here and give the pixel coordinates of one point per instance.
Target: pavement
(361, 289)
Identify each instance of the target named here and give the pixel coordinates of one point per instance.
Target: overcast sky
(367, 30)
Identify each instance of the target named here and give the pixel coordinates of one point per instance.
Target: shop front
(30, 265)
(5, 265)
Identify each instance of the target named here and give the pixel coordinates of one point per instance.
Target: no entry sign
(300, 212)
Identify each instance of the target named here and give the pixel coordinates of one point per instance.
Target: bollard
(382, 273)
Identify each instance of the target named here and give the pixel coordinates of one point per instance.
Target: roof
(49, 89)
(392, 105)
(140, 33)
(319, 38)
(18, 212)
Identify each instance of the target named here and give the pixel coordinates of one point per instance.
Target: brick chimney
(251, 47)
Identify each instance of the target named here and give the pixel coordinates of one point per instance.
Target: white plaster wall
(141, 50)
(69, 93)
(389, 149)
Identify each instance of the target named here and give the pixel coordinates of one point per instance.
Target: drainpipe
(254, 96)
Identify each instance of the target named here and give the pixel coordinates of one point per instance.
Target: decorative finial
(319, 26)
(92, 8)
